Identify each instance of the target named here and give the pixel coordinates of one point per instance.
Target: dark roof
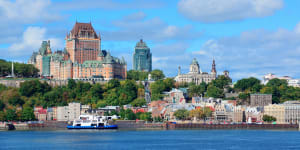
(87, 27)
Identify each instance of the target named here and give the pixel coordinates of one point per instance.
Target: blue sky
(246, 37)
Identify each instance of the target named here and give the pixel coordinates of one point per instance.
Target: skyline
(248, 38)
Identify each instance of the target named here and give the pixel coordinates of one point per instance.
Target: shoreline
(140, 125)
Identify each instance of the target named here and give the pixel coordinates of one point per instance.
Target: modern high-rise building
(142, 57)
(81, 59)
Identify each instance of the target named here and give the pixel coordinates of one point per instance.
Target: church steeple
(213, 67)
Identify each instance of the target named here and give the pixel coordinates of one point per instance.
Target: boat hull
(93, 127)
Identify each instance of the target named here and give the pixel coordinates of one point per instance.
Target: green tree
(252, 84)
(213, 91)
(137, 75)
(113, 83)
(15, 100)
(138, 102)
(11, 115)
(2, 87)
(27, 114)
(277, 82)
(268, 118)
(156, 90)
(128, 92)
(71, 84)
(2, 105)
(221, 82)
(2, 116)
(97, 91)
(197, 90)
(157, 74)
(169, 83)
(145, 116)
(29, 88)
(181, 114)
(129, 115)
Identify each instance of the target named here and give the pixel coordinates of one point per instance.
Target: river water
(158, 139)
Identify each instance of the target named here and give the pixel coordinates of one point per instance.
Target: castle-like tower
(82, 58)
(82, 43)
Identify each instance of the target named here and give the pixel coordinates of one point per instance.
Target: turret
(226, 73)
(213, 68)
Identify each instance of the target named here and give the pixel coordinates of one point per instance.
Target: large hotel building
(81, 59)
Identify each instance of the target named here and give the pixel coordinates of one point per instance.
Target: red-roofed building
(40, 113)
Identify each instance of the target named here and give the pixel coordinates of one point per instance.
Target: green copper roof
(194, 62)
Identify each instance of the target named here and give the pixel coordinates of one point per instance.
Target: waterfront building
(292, 111)
(237, 114)
(254, 114)
(277, 111)
(142, 57)
(62, 113)
(220, 113)
(85, 109)
(196, 75)
(40, 113)
(74, 110)
(157, 108)
(260, 99)
(81, 59)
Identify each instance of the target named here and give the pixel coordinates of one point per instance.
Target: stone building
(260, 99)
(81, 59)
(142, 57)
(196, 75)
(177, 96)
(277, 111)
(68, 113)
(292, 111)
(294, 82)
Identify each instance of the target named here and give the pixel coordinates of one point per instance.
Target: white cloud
(210, 11)
(257, 52)
(153, 29)
(26, 11)
(31, 41)
(253, 53)
(108, 4)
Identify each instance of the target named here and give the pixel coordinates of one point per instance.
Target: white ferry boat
(93, 122)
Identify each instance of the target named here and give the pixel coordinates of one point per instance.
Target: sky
(249, 38)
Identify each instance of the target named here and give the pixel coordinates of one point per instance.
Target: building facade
(142, 57)
(277, 111)
(271, 76)
(292, 111)
(81, 59)
(196, 75)
(294, 82)
(260, 99)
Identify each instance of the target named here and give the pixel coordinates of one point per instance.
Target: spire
(213, 67)
(179, 70)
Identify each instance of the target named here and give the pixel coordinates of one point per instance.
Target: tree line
(20, 69)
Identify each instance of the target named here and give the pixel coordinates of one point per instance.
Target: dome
(194, 62)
